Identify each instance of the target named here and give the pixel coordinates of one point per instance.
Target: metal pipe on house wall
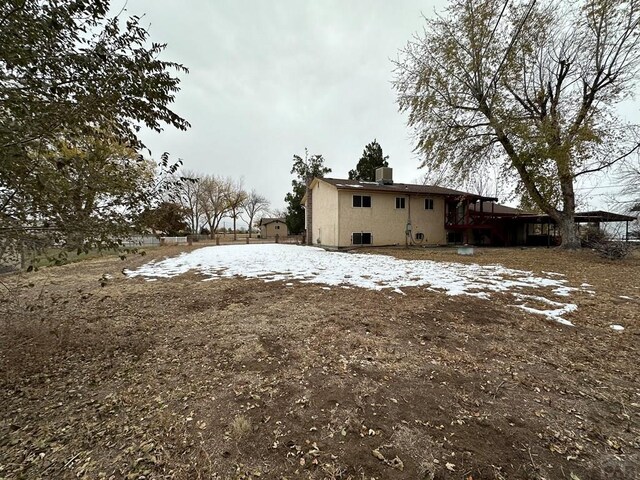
(407, 233)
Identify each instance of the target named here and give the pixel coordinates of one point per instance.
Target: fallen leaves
(395, 462)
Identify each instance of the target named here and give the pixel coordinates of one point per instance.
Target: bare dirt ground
(236, 378)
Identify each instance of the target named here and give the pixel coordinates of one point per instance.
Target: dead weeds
(237, 378)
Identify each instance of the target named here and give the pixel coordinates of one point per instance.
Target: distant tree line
(199, 206)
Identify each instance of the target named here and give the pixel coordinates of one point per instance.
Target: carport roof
(584, 217)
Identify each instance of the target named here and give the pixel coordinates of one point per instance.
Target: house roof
(267, 220)
(398, 188)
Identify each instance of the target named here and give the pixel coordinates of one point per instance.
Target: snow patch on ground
(554, 274)
(617, 327)
(554, 314)
(276, 262)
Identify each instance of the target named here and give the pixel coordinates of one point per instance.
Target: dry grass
(240, 427)
(142, 379)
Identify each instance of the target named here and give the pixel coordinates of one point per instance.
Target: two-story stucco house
(344, 213)
(270, 227)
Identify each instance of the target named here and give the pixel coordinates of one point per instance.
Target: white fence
(141, 241)
(173, 240)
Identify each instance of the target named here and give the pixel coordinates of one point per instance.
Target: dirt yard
(105, 376)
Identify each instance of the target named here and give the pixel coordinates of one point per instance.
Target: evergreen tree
(305, 170)
(371, 159)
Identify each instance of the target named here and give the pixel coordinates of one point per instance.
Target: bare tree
(278, 212)
(630, 179)
(628, 201)
(252, 206)
(436, 177)
(214, 200)
(187, 195)
(484, 182)
(236, 198)
(533, 88)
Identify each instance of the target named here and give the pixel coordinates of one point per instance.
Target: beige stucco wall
(269, 230)
(387, 223)
(335, 219)
(325, 224)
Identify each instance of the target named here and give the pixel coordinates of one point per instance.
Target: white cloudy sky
(269, 78)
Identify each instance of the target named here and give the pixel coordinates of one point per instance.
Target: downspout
(309, 215)
(337, 222)
(407, 233)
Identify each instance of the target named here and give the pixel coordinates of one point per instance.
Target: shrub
(613, 250)
(592, 236)
(601, 242)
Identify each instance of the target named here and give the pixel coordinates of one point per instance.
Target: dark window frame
(361, 201)
(428, 203)
(359, 238)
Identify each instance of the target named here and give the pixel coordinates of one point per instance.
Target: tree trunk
(211, 225)
(568, 232)
(235, 232)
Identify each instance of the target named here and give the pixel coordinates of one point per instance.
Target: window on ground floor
(419, 236)
(361, 238)
(362, 201)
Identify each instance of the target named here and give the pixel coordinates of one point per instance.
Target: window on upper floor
(400, 202)
(428, 203)
(362, 201)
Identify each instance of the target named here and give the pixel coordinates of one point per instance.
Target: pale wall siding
(429, 222)
(386, 223)
(325, 215)
(270, 230)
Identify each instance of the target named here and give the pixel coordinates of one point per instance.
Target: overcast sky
(269, 78)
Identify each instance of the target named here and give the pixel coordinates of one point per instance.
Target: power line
(495, 27)
(599, 186)
(513, 41)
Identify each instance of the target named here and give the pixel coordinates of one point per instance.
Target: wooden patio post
(627, 232)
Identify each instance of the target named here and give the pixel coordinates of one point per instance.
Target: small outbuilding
(270, 227)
